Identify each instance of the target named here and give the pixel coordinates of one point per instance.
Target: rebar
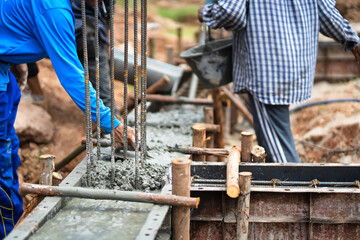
(126, 75)
(97, 79)
(277, 182)
(87, 93)
(112, 80)
(136, 87)
(143, 79)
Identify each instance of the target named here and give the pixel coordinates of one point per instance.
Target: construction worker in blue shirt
(274, 56)
(31, 30)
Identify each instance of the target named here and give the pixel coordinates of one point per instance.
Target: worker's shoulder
(44, 5)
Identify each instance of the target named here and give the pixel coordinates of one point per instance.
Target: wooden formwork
(314, 212)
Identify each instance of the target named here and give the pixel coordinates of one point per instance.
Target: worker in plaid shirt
(275, 47)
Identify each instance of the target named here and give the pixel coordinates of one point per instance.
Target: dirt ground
(333, 126)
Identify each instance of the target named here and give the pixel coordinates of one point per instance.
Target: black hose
(311, 104)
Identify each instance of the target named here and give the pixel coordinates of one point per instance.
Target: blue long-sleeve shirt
(275, 43)
(33, 29)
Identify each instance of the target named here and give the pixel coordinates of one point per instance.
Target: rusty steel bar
(97, 80)
(201, 151)
(178, 100)
(126, 75)
(143, 80)
(276, 182)
(136, 88)
(87, 93)
(112, 81)
(106, 194)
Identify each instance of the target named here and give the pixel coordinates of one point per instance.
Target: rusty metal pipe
(80, 192)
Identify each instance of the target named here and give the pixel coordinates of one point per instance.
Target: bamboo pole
(258, 154)
(199, 140)
(152, 47)
(246, 146)
(209, 118)
(239, 105)
(219, 119)
(181, 182)
(242, 217)
(106, 194)
(232, 173)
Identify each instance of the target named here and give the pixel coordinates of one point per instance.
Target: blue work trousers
(10, 199)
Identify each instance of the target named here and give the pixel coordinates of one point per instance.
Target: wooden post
(242, 217)
(181, 182)
(232, 173)
(219, 119)
(179, 38)
(209, 118)
(258, 154)
(47, 168)
(170, 54)
(199, 140)
(246, 146)
(152, 47)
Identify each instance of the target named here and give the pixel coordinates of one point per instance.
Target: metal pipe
(79, 192)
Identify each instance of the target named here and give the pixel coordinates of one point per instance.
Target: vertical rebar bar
(136, 87)
(126, 74)
(87, 93)
(112, 79)
(97, 79)
(143, 78)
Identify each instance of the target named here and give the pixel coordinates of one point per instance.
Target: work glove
(356, 52)
(20, 72)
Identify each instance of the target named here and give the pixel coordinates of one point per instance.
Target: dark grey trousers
(273, 131)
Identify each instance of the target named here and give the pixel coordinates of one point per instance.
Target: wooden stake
(170, 54)
(209, 118)
(179, 39)
(246, 146)
(181, 182)
(232, 173)
(152, 46)
(47, 168)
(242, 217)
(219, 119)
(258, 154)
(199, 140)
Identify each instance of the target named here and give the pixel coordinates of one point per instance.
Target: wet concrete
(170, 128)
(99, 219)
(95, 219)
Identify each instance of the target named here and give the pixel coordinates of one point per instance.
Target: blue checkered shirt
(275, 43)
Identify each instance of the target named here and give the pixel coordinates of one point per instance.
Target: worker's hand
(119, 136)
(356, 52)
(200, 17)
(20, 72)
